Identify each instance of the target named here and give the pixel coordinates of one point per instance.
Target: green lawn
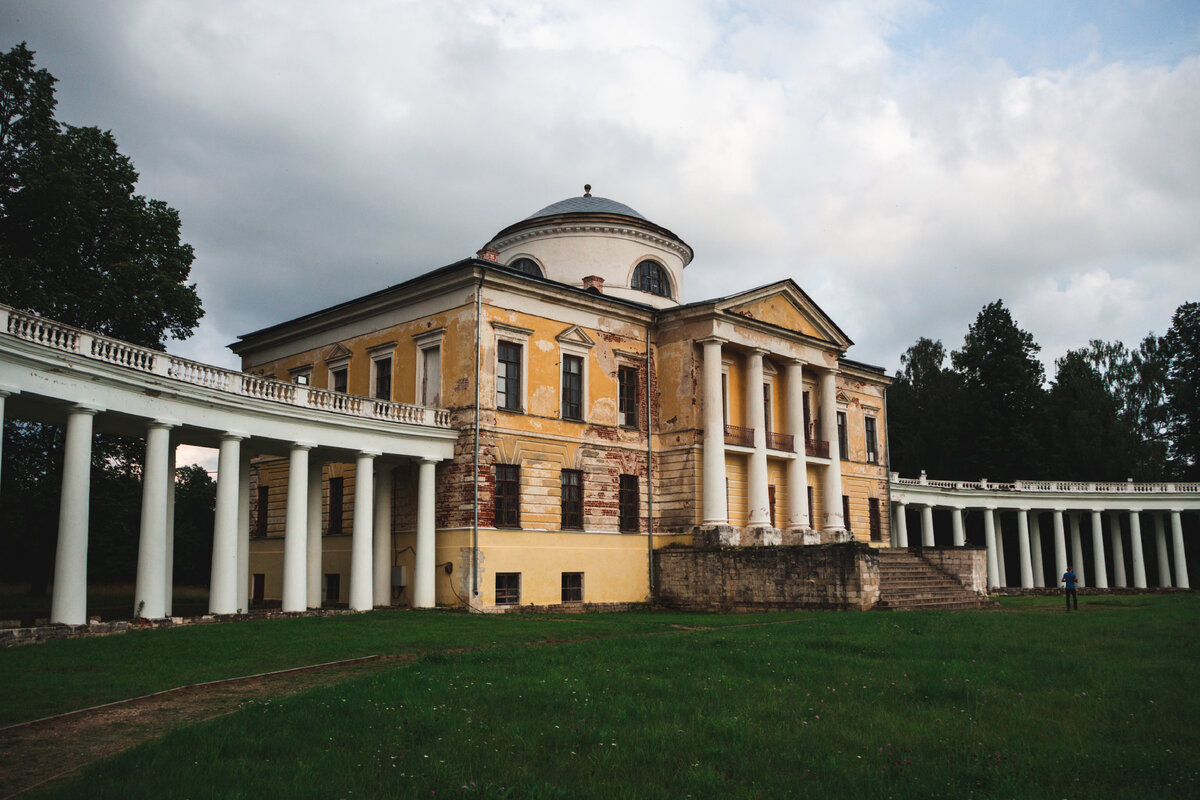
(107, 601)
(1022, 702)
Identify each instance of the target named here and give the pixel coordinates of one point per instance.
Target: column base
(798, 536)
(836, 536)
(761, 536)
(713, 537)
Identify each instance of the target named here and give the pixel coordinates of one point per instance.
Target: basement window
(572, 587)
(508, 588)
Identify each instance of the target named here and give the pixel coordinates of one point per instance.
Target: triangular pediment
(575, 335)
(785, 305)
(337, 353)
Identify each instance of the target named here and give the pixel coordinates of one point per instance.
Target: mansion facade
(598, 418)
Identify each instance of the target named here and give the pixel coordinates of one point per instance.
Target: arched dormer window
(651, 277)
(526, 265)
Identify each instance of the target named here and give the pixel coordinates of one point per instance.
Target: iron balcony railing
(743, 437)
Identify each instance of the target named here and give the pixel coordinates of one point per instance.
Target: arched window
(652, 277)
(528, 266)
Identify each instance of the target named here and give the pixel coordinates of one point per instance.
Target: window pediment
(575, 335)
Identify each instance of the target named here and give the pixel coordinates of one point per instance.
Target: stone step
(907, 581)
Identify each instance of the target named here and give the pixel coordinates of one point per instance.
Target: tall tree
(1182, 344)
(923, 412)
(1003, 396)
(78, 245)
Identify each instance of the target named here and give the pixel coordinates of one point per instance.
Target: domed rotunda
(598, 242)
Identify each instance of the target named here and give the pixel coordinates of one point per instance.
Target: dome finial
(587, 190)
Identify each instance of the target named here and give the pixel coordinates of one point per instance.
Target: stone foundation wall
(835, 576)
(967, 564)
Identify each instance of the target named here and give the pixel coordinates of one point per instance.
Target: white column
(424, 593)
(1077, 550)
(1118, 550)
(1023, 548)
(1160, 542)
(1101, 579)
(757, 498)
(361, 572)
(315, 552)
(243, 531)
(1000, 549)
(716, 512)
(989, 540)
(958, 532)
(1035, 546)
(169, 572)
(833, 473)
(222, 587)
(927, 525)
(900, 523)
(1181, 575)
(797, 468)
(1135, 544)
(295, 532)
(68, 605)
(383, 536)
(1060, 547)
(152, 542)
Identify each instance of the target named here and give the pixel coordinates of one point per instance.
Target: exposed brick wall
(837, 576)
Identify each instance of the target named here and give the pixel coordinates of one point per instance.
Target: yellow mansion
(598, 418)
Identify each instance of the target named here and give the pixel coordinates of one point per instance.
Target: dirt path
(37, 753)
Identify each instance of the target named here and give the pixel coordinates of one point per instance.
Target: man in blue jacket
(1068, 581)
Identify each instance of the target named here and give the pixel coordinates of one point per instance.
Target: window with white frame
(574, 345)
(429, 368)
(339, 375)
(301, 376)
(381, 370)
(511, 373)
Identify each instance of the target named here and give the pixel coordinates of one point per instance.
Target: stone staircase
(907, 581)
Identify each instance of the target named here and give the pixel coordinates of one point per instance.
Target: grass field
(107, 601)
(1022, 702)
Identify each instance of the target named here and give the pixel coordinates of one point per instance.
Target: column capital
(233, 436)
(712, 340)
(758, 351)
(80, 408)
(8, 391)
(301, 446)
(369, 454)
(162, 423)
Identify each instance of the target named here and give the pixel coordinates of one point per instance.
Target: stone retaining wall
(968, 565)
(834, 576)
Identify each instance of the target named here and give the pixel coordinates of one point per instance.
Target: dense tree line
(78, 245)
(1110, 412)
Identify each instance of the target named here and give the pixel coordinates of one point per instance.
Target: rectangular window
(572, 499)
(301, 377)
(812, 516)
(258, 588)
(431, 377)
(572, 388)
(876, 520)
(333, 587)
(846, 511)
(508, 496)
(508, 376)
(629, 503)
(843, 439)
(572, 587)
(872, 440)
(338, 379)
(508, 588)
(336, 487)
(771, 503)
(627, 396)
(808, 429)
(260, 519)
(383, 378)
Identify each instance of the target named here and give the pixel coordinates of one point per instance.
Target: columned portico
(797, 468)
(1160, 544)
(382, 585)
(1118, 550)
(927, 539)
(223, 590)
(149, 597)
(1023, 548)
(958, 533)
(716, 512)
(1135, 546)
(989, 540)
(1101, 579)
(1181, 574)
(68, 605)
(758, 502)
(834, 523)
(900, 523)
(362, 574)
(295, 532)
(424, 594)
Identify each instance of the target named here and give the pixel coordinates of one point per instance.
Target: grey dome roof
(586, 205)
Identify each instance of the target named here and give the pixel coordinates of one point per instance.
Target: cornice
(683, 251)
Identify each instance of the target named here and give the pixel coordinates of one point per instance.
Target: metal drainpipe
(649, 464)
(475, 503)
(888, 458)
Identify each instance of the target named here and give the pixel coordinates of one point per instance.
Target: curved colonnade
(88, 383)
(1019, 509)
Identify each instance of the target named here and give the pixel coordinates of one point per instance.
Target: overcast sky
(904, 162)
